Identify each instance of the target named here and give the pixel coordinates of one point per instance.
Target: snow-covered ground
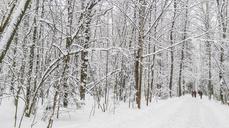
(183, 112)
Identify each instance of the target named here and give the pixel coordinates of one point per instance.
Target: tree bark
(10, 31)
(182, 50)
(171, 52)
(139, 57)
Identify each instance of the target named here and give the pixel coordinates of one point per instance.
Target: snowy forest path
(183, 112)
(197, 113)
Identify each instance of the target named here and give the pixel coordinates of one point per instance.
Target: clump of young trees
(56, 54)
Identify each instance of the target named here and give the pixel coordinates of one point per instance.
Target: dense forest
(62, 54)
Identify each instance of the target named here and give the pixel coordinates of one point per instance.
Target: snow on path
(184, 112)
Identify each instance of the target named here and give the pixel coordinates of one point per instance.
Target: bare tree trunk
(55, 101)
(10, 31)
(154, 50)
(87, 16)
(149, 60)
(182, 50)
(6, 18)
(139, 58)
(67, 58)
(31, 88)
(171, 52)
(222, 19)
(131, 44)
(208, 44)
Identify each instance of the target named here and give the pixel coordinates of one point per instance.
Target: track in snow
(183, 112)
